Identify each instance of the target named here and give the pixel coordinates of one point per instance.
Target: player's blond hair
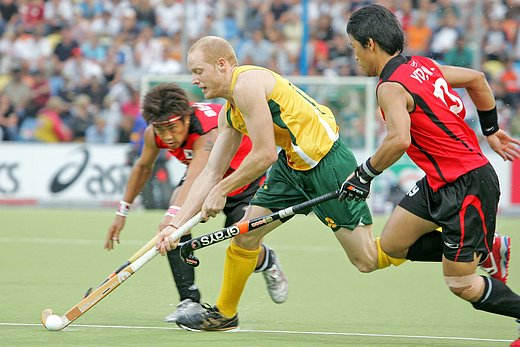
(213, 48)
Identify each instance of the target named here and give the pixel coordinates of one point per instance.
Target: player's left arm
(482, 96)
(395, 102)
(201, 150)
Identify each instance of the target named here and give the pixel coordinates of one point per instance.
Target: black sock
(184, 275)
(427, 248)
(499, 299)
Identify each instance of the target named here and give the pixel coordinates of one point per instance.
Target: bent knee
(248, 240)
(468, 287)
(364, 265)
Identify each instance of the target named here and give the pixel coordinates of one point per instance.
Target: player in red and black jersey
(425, 118)
(187, 131)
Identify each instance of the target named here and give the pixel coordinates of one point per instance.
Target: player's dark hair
(379, 24)
(165, 100)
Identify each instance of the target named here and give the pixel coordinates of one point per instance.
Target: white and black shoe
(185, 307)
(277, 284)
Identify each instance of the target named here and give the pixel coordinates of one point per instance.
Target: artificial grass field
(49, 257)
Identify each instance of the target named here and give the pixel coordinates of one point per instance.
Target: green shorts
(285, 187)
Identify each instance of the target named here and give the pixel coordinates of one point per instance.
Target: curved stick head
(45, 313)
(186, 254)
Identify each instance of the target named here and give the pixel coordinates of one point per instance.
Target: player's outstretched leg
(497, 262)
(210, 319)
(275, 278)
(184, 276)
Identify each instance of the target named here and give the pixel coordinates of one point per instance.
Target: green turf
(50, 257)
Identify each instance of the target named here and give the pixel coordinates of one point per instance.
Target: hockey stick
(187, 248)
(130, 260)
(108, 286)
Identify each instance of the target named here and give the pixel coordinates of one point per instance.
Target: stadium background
(50, 255)
(72, 73)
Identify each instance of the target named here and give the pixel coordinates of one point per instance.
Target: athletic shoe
(185, 307)
(497, 262)
(209, 319)
(277, 284)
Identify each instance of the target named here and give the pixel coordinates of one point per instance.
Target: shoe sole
(225, 330)
(505, 252)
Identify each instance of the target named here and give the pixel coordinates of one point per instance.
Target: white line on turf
(87, 242)
(286, 332)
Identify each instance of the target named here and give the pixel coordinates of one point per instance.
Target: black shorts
(466, 210)
(236, 205)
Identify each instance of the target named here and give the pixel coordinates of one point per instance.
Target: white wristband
(172, 211)
(124, 209)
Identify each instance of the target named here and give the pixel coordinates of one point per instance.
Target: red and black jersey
(204, 119)
(442, 144)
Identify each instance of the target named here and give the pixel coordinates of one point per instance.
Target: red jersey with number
(204, 119)
(442, 144)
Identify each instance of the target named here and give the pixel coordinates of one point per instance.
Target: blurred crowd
(70, 69)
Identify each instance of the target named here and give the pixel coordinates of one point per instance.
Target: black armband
(488, 121)
(367, 171)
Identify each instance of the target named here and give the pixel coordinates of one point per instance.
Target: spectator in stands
(257, 50)
(79, 69)
(32, 13)
(145, 14)
(64, 25)
(88, 8)
(18, 91)
(93, 49)
(9, 14)
(64, 48)
(169, 17)
(444, 37)
(58, 13)
(418, 36)
(495, 41)
(510, 80)
(8, 120)
(41, 89)
(278, 8)
(49, 126)
(105, 25)
(81, 117)
(148, 50)
(460, 55)
(6, 51)
(100, 132)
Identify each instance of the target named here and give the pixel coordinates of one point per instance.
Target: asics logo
(413, 191)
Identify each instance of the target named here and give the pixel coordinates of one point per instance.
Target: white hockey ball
(53, 322)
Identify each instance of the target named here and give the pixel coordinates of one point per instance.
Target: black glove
(357, 186)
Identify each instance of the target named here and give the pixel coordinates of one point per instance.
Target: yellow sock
(240, 264)
(384, 260)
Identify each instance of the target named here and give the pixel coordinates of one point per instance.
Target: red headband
(170, 120)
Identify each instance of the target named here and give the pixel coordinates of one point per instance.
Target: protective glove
(357, 186)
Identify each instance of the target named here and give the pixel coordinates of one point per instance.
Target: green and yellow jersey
(303, 128)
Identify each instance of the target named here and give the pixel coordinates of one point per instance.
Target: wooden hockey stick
(130, 260)
(112, 283)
